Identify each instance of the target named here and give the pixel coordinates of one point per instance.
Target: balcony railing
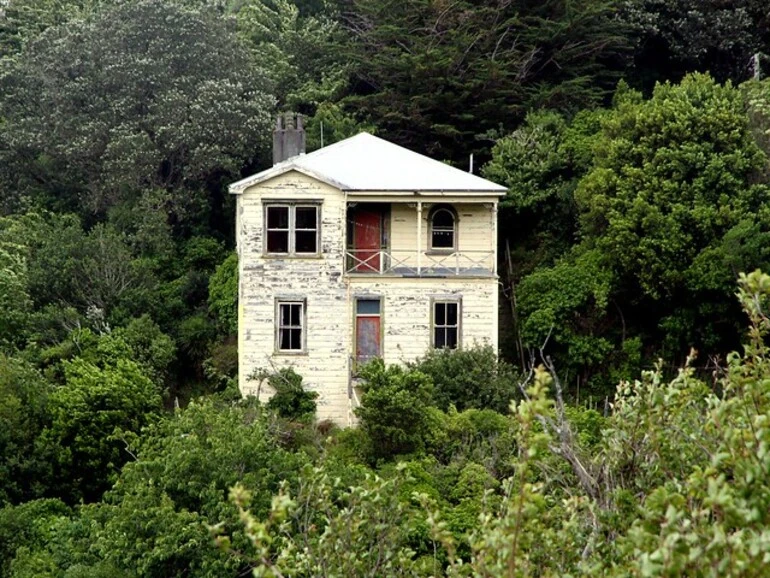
(419, 264)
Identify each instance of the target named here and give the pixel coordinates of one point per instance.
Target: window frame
(303, 327)
(455, 228)
(357, 315)
(292, 229)
(449, 300)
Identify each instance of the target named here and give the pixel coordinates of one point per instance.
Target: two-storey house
(358, 250)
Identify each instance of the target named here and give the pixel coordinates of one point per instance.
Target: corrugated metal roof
(367, 163)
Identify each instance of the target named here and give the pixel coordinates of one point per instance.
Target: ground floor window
(290, 326)
(446, 324)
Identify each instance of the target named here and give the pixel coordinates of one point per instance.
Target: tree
(139, 97)
(674, 37)
(15, 302)
(296, 51)
(445, 78)
(24, 393)
(668, 213)
(96, 271)
(24, 20)
(88, 415)
(469, 378)
(153, 522)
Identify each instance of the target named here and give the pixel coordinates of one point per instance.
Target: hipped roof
(367, 163)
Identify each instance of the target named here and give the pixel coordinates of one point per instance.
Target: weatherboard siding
(330, 296)
(476, 235)
(317, 280)
(406, 311)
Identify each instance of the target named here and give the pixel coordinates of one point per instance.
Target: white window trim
(292, 207)
(303, 325)
(456, 300)
(455, 229)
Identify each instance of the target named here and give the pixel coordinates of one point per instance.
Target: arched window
(443, 228)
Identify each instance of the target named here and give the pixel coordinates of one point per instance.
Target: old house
(360, 249)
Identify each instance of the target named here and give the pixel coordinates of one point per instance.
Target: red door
(367, 240)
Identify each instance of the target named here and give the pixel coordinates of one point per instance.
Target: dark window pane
(368, 307)
(305, 218)
(439, 337)
(451, 338)
(443, 239)
(296, 315)
(440, 315)
(278, 217)
(451, 313)
(443, 219)
(283, 339)
(277, 241)
(305, 242)
(290, 339)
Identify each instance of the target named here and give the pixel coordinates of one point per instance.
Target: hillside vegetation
(623, 430)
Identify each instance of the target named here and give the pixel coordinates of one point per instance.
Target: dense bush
(394, 412)
(675, 477)
(291, 400)
(88, 417)
(469, 378)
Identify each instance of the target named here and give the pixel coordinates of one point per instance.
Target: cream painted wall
(476, 235)
(330, 296)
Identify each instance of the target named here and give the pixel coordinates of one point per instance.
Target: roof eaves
(278, 170)
(500, 192)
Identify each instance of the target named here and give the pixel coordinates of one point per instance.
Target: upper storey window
(443, 229)
(292, 229)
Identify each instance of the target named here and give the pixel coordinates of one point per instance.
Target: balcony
(394, 263)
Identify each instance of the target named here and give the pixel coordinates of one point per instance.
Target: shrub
(291, 400)
(469, 378)
(394, 410)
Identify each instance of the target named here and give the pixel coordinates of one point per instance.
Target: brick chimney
(288, 137)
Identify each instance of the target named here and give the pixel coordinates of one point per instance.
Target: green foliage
(296, 52)
(668, 212)
(141, 341)
(476, 436)
(184, 466)
(469, 378)
(88, 415)
(25, 20)
(326, 529)
(15, 302)
(674, 37)
(291, 400)
(394, 408)
(223, 295)
(195, 336)
(150, 347)
(335, 123)
(26, 524)
(671, 176)
(95, 270)
(153, 522)
(98, 131)
(446, 78)
(540, 163)
(24, 473)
